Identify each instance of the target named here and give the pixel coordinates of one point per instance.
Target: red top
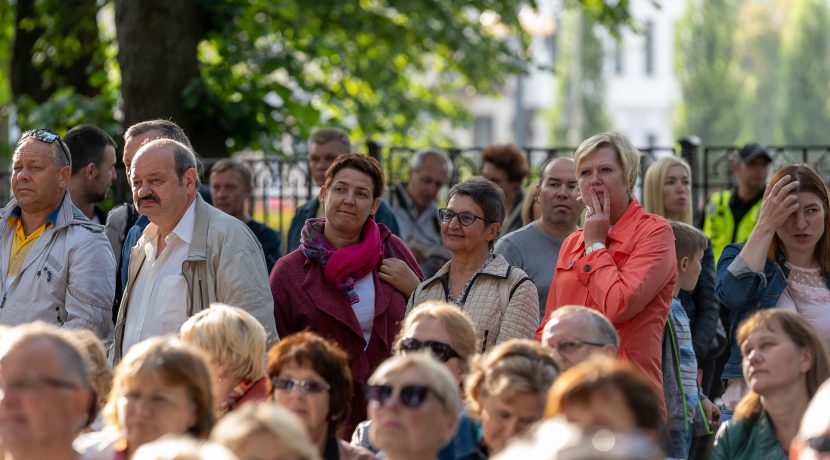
(631, 283)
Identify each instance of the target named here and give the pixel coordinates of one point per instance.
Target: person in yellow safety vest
(731, 214)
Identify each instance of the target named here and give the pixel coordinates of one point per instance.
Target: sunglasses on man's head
(440, 350)
(412, 396)
(49, 137)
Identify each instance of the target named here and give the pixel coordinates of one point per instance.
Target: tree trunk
(26, 79)
(157, 45)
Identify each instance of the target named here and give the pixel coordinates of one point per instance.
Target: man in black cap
(731, 214)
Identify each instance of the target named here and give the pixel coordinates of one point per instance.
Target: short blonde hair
(528, 202)
(174, 363)
(182, 448)
(458, 325)
(435, 374)
(514, 367)
(627, 154)
(100, 371)
(265, 417)
(231, 336)
(653, 186)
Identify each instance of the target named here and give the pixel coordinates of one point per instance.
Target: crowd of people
(567, 320)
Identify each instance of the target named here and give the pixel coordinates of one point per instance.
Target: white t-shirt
(807, 294)
(364, 309)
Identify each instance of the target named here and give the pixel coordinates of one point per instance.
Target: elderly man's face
(425, 182)
(41, 404)
(158, 193)
(38, 182)
(573, 340)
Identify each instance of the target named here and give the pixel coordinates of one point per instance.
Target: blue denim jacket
(743, 292)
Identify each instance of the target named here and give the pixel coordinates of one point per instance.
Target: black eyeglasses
(442, 351)
(820, 443)
(464, 218)
(305, 386)
(49, 137)
(570, 347)
(412, 396)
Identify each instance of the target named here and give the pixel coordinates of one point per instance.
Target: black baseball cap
(752, 151)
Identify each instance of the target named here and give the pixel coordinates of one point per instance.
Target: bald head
(575, 333)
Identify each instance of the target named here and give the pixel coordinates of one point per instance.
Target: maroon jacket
(304, 299)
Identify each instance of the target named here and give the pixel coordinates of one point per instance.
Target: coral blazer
(631, 283)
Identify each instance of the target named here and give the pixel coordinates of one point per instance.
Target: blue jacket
(385, 216)
(743, 292)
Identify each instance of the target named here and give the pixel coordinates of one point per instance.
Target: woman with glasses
(310, 377)
(507, 389)
(784, 363)
(235, 342)
(447, 333)
(499, 298)
(414, 405)
(161, 387)
(350, 278)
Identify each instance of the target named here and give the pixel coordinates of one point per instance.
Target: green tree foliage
(707, 72)
(805, 65)
(580, 90)
(269, 71)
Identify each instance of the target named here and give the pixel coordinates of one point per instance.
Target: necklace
(463, 294)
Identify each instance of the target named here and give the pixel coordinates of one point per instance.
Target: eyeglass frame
(36, 378)
(41, 134)
(300, 385)
(448, 353)
(389, 391)
(578, 343)
(443, 211)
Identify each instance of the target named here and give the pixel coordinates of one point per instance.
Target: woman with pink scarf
(351, 277)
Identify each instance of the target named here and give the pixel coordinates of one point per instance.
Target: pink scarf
(344, 266)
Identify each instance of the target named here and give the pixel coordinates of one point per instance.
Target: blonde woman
(264, 430)
(161, 387)
(667, 192)
(235, 342)
(100, 371)
(507, 390)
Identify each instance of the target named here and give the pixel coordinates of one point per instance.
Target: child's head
(689, 244)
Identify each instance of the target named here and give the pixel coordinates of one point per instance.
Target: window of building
(649, 48)
(483, 131)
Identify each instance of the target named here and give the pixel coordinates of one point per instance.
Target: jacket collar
(498, 268)
(65, 214)
(198, 243)
(621, 231)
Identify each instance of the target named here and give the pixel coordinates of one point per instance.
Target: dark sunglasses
(49, 137)
(412, 396)
(820, 443)
(464, 218)
(442, 351)
(305, 386)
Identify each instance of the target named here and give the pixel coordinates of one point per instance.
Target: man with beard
(535, 247)
(93, 169)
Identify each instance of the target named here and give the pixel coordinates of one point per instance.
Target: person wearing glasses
(55, 265)
(350, 277)
(310, 377)
(577, 333)
(46, 397)
(414, 405)
(500, 299)
(449, 335)
(507, 389)
(235, 343)
(161, 387)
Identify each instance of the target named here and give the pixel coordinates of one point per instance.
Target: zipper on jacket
(3, 303)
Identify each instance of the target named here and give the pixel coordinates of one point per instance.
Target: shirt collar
(184, 229)
(51, 219)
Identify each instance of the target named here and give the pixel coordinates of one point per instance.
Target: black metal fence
(281, 183)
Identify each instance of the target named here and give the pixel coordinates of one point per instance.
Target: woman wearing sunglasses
(500, 299)
(310, 376)
(414, 404)
(448, 334)
(507, 390)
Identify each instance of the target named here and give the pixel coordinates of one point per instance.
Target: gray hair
(166, 128)
(487, 195)
(326, 135)
(604, 330)
(69, 349)
(418, 159)
(183, 157)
